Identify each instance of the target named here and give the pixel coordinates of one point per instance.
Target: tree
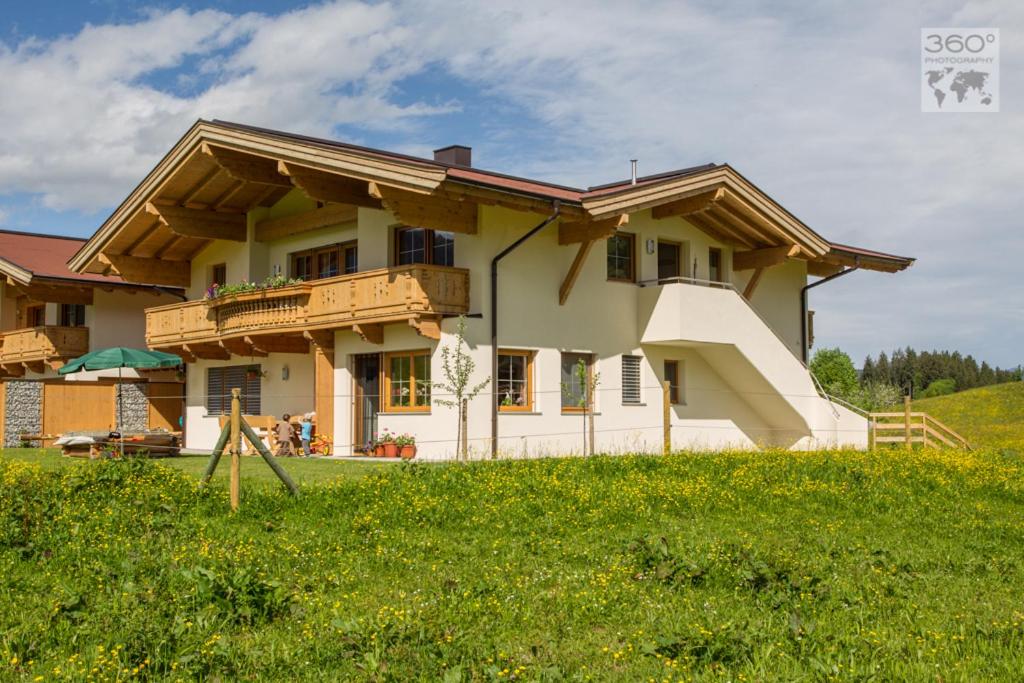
(458, 368)
(835, 372)
(587, 381)
(868, 372)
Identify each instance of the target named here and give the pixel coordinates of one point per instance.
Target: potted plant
(390, 447)
(375, 447)
(253, 372)
(406, 446)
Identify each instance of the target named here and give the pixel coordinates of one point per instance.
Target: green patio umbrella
(120, 357)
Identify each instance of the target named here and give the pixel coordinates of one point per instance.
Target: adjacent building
(49, 315)
(695, 277)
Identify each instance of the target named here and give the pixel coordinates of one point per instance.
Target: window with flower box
(407, 381)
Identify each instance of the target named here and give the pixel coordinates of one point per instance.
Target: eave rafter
(155, 271)
(587, 231)
(214, 225)
(248, 168)
(329, 187)
(427, 211)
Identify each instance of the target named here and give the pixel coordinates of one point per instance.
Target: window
(631, 380)
(323, 262)
(407, 380)
(421, 245)
(515, 382)
(72, 315)
(620, 257)
(35, 316)
(574, 387)
(715, 265)
(669, 260)
(220, 382)
(219, 274)
(673, 378)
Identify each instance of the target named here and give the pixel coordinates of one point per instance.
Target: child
(306, 433)
(284, 436)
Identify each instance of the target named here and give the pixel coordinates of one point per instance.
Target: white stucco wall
(600, 317)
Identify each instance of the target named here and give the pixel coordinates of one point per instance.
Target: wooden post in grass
(906, 419)
(236, 446)
(256, 442)
(218, 450)
(666, 415)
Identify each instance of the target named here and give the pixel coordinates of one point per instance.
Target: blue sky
(818, 105)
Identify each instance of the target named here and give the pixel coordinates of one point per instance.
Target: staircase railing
(913, 428)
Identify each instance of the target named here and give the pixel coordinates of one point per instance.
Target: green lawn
(254, 470)
(730, 566)
(988, 417)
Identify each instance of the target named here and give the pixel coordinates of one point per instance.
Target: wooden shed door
(77, 406)
(165, 404)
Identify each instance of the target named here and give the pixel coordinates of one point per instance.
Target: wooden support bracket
(574, 271)
(372, 333)
(427, 327)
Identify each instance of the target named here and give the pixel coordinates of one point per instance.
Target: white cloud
(817, 105)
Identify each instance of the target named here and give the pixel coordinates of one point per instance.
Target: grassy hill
(728, 566)
(991, 417)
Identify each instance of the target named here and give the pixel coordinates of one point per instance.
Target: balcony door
(670, 260)
(367, 397)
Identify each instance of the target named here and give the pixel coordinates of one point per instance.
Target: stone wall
(133, 399)
(23, 411)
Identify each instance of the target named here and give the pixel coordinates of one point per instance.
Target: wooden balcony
(36, 347)
(284, 319)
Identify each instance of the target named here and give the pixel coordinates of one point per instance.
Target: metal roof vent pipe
(632, 163)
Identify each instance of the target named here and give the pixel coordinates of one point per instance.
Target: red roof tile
(46, 255)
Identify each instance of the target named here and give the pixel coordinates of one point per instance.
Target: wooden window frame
(674, 379)
(590, 375)
(213, 279)
(413, 406)
(29, 311)
(63, 318)
(313, 254)
(631, 238)
(428, 244)
(528, 406)
(721, 264)
(680, 261)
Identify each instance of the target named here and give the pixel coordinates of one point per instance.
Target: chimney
(632, 163)
(454, 155)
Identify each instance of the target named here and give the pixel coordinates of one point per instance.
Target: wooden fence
(909, 428)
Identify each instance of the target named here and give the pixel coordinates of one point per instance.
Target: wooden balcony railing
(374, 296)
(43, 344)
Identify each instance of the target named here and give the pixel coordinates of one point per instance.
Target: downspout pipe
(556, 211)
(803, 306)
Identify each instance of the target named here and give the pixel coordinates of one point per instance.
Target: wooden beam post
(329, 187)
(248, 168)
(218, 450)
(571, 233)
(666, 416)
(574, 271)
(906, 419)
(236, 447)
(748, 291)
(151, 271)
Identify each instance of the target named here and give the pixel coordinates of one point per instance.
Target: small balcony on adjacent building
(286, 319)
(36, 348)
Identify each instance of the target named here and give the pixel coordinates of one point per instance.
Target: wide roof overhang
(217, 172)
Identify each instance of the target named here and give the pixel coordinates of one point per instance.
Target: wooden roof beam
(763, 258)
(329, 187)
(152, 271)
(700, 222)
(248, 168)
(213, 225)
(427, 211)
(734, 232)
(325, 216)
(587, 231)
(697, 203)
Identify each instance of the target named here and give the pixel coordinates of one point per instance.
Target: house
(695, 277)
(49, 315)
